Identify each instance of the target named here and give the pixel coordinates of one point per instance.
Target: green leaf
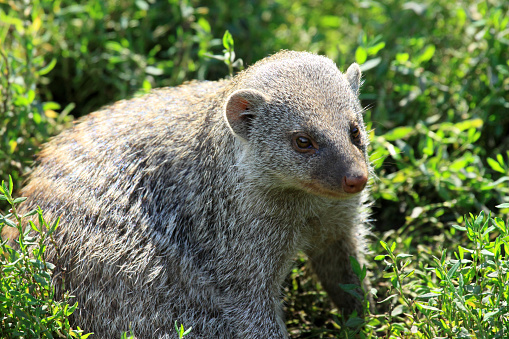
(453, 269)
(204, 24)
(72, 309)
(489, 315)
(53, 227)
(398, 133)
(29, 214)
(40, 280)
(113, 46)
(330, 21)
(354, 322)
(427, 54)
(500, 159)
(429, 295)
(467, 124)
(429, 149)
(495, 165)
(9, 222)
(402, 57)
(20, 314)
(394, 296)
(395, 282)
(460, 305)
(380, 257)
(361, 55)
(37, 118)
(30, 97)
(13, 144)
(500, 224)
(153, 70)
(48, 68)
(487, 253)
(352, 290)
(504, 205)
(371, 63)
(144, 6)
(355, 266)
(461, 228)
(19, 200)
(427, 307)
(373, 50)
(50, 105)
(409, 274)
(348, 287)
(11, 185)
(478, 221)
(227, 40)
(32, 225)
(397, 310)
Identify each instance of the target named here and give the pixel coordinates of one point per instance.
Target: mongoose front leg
(332, 266)
(256, 316)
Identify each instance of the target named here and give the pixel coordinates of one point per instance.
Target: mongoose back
(188, 204)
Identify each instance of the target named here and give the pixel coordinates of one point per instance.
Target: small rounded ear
(241, 108)
(353, 75)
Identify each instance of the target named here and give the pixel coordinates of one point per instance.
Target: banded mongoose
(188, 204)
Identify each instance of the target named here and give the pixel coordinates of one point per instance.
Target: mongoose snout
(354, 184)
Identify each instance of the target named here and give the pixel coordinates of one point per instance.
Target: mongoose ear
(241, 108)
(353, 75)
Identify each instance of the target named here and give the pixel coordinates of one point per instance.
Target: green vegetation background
(436, 90)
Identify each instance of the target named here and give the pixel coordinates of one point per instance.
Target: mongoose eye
(355, 132)
(304, 144)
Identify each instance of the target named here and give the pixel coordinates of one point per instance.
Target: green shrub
(25, 121)
(463, 294)
(437, 174)
(439, 93)
(28, 308)
(108, 50)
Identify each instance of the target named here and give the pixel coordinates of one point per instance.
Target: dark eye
(304, 144)
(355, 132)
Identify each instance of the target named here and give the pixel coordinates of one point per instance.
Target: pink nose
(354, 184)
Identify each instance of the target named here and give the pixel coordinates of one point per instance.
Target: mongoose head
(300, 124)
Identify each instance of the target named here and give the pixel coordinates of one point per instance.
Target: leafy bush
(438, 92)
(28, 308)
(463, 295)
(445, 169)
(106, 50)
(25, 121)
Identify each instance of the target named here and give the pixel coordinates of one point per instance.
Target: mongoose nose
(354, 184)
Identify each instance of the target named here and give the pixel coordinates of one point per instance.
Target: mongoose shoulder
(188, 204)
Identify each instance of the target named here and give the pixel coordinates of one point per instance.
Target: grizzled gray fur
(189, 203)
